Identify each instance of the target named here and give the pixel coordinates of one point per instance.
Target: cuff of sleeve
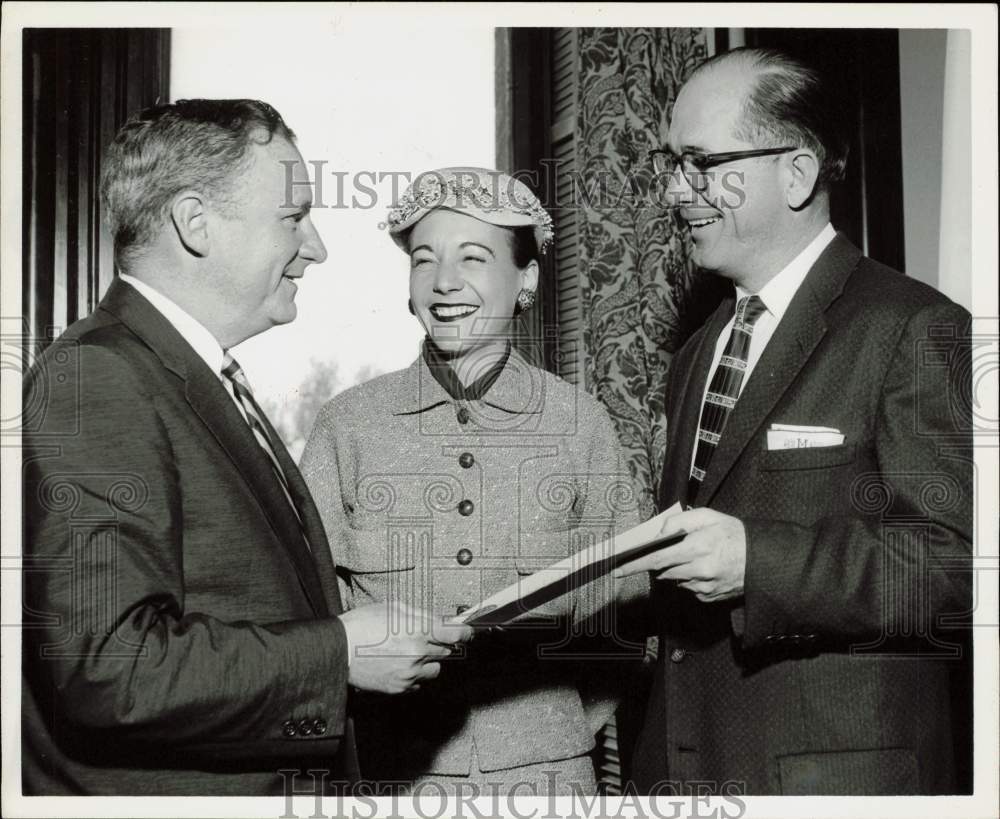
(772, 585)
(347, 642)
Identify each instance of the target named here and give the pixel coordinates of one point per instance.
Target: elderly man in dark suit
(828, 463)
(184, 633)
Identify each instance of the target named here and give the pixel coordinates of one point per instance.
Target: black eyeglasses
(694, 164)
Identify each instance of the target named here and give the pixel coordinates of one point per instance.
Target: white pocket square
(794, 436)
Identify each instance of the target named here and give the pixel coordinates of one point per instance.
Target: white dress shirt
(192, 331)
(777, 294)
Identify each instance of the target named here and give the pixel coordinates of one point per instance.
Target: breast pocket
(819, 457)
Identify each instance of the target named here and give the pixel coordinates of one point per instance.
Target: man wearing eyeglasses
(820, 445)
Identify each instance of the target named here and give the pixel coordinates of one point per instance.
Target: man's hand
(394, 647)
(710, 562)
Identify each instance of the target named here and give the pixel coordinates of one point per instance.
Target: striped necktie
(254, 415)
(724, 389)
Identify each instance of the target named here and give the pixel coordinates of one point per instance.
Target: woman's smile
(452, 312)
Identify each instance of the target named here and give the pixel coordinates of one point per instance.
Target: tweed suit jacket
(441, 503)
(179, 638)
(830, 674)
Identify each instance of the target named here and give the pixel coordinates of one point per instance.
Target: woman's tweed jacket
(440, 503)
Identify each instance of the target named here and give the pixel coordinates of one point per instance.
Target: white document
(793, 436)
(572, 572)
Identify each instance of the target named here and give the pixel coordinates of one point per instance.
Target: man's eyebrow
(477, 244)
(422, 247)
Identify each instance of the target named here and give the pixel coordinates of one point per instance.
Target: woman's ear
(189, 216)
(804, 173)
(529, 276)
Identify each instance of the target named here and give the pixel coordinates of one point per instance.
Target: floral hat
(488, 195)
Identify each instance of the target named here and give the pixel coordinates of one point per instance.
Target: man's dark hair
(790, 103)
(195, 144)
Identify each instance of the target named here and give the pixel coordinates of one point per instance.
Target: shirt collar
(518, 389)
(192, 331)
(777, 294)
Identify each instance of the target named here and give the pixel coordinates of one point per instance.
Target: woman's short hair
(524, 246)
(791, 103)
(198, 144)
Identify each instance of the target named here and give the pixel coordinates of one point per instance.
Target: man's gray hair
(198, 144)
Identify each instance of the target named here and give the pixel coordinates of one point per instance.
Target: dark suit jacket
(830, 674)
(177, 638)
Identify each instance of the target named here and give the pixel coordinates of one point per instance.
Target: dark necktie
(232, 371)
(724, 389)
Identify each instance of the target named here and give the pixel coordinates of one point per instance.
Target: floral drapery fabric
(641, 296)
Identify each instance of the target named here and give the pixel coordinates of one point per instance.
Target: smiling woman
(442, 483)
(464, 285)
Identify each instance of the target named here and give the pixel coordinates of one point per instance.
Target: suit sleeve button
(464, 557)
(305, 727)
(288, 728)
(319, 727)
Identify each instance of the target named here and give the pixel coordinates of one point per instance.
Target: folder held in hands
(572, 572)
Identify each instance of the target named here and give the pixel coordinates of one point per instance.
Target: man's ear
(189, 216)
(529, 276)
(804, 173)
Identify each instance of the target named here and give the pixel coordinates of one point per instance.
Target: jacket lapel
(313, 524)
(684, 417)
(800, 330)
(209, 400)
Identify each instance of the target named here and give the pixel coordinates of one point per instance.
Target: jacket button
(319, 727)
(462, 609)
(465, 460)
(462, 415)
(677, 655)
(305, 727)
(466, 508)
(288, 728)
(464, 557)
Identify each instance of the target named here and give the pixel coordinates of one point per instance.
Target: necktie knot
(748, 310)
(232, 370)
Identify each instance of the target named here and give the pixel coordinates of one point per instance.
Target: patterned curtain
(641, 296)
